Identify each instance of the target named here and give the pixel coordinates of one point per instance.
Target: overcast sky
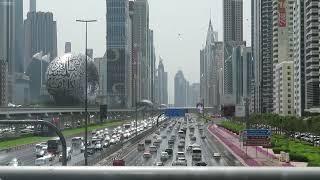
(168, 19)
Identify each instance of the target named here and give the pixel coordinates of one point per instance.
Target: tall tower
(140, 30)
(232, 37)
(262, 54)
(232, 20)
(40, 35)
(33, 6)
(282, 50)
(311, 26)
(118, 54)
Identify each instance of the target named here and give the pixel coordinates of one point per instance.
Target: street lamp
(86, 94)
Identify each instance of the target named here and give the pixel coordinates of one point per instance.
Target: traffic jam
(176, 143)
(49, 153)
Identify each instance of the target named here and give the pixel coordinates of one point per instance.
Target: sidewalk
(248, 156)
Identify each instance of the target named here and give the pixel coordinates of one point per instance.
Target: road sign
(175, 112)
(240, 111)
(258, 132)
(257, 137)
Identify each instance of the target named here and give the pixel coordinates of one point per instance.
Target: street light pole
(86, 94)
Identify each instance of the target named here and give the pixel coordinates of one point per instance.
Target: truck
(118, 162)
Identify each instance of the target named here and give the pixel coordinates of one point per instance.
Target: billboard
(282, 13)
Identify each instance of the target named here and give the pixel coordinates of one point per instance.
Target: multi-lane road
(209, 145)
(27, 155)
(132, 157)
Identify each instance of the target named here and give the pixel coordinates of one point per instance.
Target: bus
(54, 146)
(196, 154)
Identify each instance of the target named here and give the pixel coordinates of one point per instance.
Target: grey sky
(168, 18)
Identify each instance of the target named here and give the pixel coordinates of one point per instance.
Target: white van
(42, 161)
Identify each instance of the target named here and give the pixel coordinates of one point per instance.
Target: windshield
(219, 82)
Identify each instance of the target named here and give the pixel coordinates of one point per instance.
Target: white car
(98, 146)
(216, 155)
(164, 156)
(147, 154)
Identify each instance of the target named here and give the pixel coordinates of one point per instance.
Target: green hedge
(298, 157)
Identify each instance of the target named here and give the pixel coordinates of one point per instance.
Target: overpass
(7, 112)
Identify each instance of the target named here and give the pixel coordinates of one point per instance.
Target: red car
(118, 162)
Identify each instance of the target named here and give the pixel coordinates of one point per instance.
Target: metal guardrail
(158, 173)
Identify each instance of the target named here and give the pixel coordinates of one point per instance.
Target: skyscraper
(140, 27)
(232, 37)
(262, 54)
(232, 20)
(180, 92)
(162, 84)
(211, 59)
(19, 36)
(283, 57)
(118, 54)
(33, 5)
(311, 30)
(40, 35)
(299, 57)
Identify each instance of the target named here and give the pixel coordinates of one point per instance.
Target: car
(180, 145)
(157, 132)
(164, 136)
(193, 138)
(203, 136)
(14, 162)
(153, 149)
(91, 150)
(60, 157)
(147, 141)
(50, 156)
(159, 164)
(105, 144)
(180, 155)
(201, 163)
(118, 162)
(147, 154)
(156, 143)
(164, 156)
(98, 147)
(216, 155)
(179, 163)
(170, 142)
(169, 151)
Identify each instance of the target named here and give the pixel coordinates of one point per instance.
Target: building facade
(40, 35)
(140, 28)
(262, 24)
(311, 36)
(283, 56)
(232, 37)
(283, 91)
(299, 58)
(180, 92)
(118, 54)
(162, 86)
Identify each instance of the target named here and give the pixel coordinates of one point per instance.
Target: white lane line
(227, 147)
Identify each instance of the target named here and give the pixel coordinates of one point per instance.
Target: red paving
(248, 156)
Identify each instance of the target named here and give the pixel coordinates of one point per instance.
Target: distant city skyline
(180, 52)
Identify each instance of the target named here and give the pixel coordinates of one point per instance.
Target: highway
(209, 145)
(27, 156)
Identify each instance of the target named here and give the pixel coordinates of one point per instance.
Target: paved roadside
(248, 156)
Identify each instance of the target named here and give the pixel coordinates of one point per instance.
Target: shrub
(313, 164)
(298, 157)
